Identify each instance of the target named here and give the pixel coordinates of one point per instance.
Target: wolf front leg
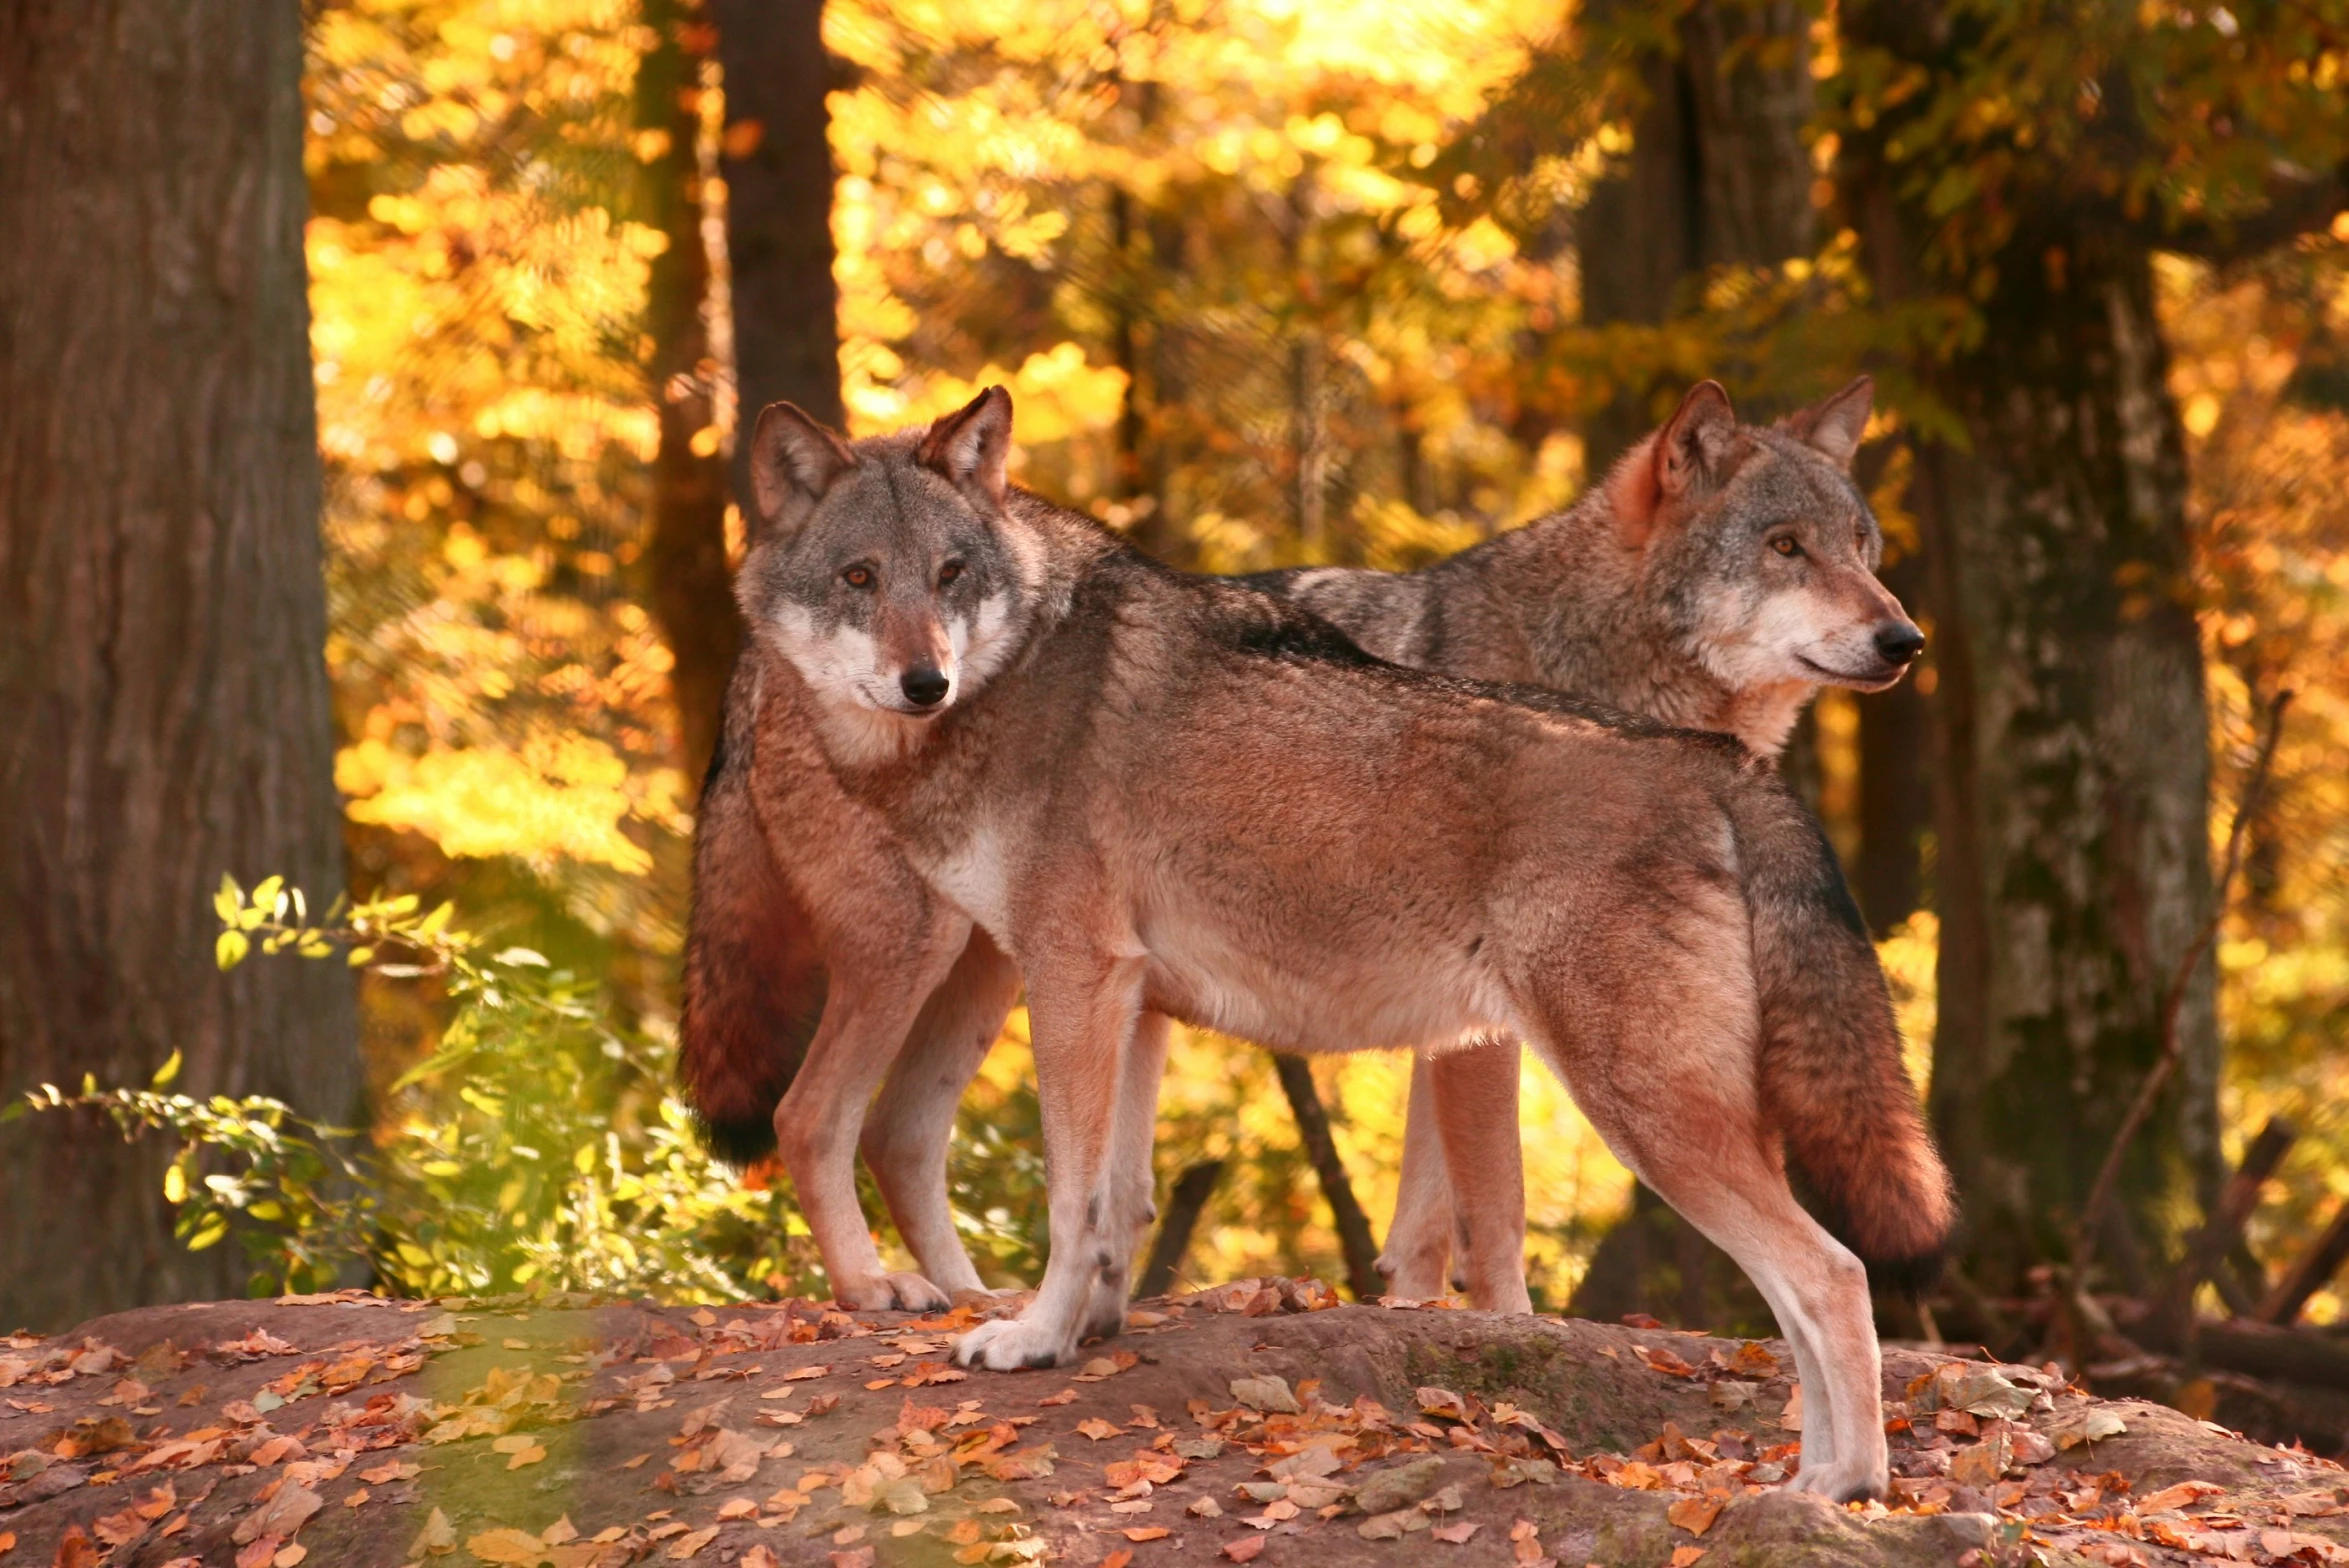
(906, 1136)
(1082, 1013)
(872, 1002)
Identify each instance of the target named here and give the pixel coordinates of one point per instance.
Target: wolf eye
(858, 577)
(949, 572)
(1784, 544)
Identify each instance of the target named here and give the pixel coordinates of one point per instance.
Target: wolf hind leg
(911, 1126)
(1656, 1032)
(1419, 1238)
(872, 1002)
(1473, 1098)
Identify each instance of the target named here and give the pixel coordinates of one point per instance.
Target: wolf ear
(1833, 425)
(1692, 450)
(1683, 461)
(793, 460)
(971, 445)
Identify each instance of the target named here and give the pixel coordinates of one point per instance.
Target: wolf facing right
(1726, 616)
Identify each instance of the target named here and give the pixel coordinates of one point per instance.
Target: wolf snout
(925, 685)
(1898, 643)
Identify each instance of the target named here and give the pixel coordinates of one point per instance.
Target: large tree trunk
(163, 702)
(1716, 176)
(2073, 866)
(692, 586)
(778, 169)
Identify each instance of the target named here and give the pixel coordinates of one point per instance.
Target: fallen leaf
(356, 1496)
(382, 1475)
(287, 1510)
(1067, 1396)
(802, 1374)
(1245, 1549)
(738, 1508)
(506, 1545)
(761, 1556)
(686, 1546)
(438, 1537)
(1097, 1429)
(1683, 1556)
(2182, 1495)
(1205, 1508)
(1148, 1532)
(2086, 1426)
(1694, 1514)
(1456, 1534)
(1266, 1393)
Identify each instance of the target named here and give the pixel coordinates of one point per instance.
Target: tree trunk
(1716, 176)
(163, 698)
(1896, 786)
(778, 169)
(692, 586)
(2073, 866)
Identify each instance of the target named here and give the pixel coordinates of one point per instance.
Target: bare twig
(2174, 1000)
(1183, 1207)
(1362, 1275)
(2208, 1247)
(2308, 1276)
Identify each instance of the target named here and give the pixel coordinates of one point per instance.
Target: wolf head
(1768, 548)
(886, 571)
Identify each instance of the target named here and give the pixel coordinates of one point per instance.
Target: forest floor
(1254, 1422)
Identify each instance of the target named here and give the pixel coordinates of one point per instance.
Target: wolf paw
(890, 1293)
(1012, 1345)
(1841, 1483)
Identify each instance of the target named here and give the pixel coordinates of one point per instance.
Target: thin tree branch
(1362, 1276)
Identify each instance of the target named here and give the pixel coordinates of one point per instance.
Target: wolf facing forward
(1688, 606)
(1166, 796)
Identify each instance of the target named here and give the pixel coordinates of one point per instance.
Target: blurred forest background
(1271, 282)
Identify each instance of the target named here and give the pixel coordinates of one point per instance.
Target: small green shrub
(538, 1147)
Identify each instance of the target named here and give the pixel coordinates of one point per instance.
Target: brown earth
(347, 1430)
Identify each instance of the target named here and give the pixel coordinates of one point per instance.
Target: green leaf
(231, 949)
(208, 1234)
(168, 1073)
(431, 924)
(265, 896)
(228, 900)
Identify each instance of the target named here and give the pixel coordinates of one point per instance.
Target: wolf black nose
(924, 686)
(1899, 643)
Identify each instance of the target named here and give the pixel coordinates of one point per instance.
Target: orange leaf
(1694, 1514)
(1148, 1532)
(1244, 1550)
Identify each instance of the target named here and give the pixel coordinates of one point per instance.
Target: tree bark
(778, 170)
(1896, 786)
(2073, 866)
(163, 696)
(692, 585)
(1716, 176)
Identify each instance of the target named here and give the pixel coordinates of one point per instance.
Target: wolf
(1698, 613)
(1165, 796)
(1726, 616)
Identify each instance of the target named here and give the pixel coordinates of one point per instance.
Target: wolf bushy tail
(1832, 1079)
(754, 976)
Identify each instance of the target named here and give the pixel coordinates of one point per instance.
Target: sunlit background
(1261, 300)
